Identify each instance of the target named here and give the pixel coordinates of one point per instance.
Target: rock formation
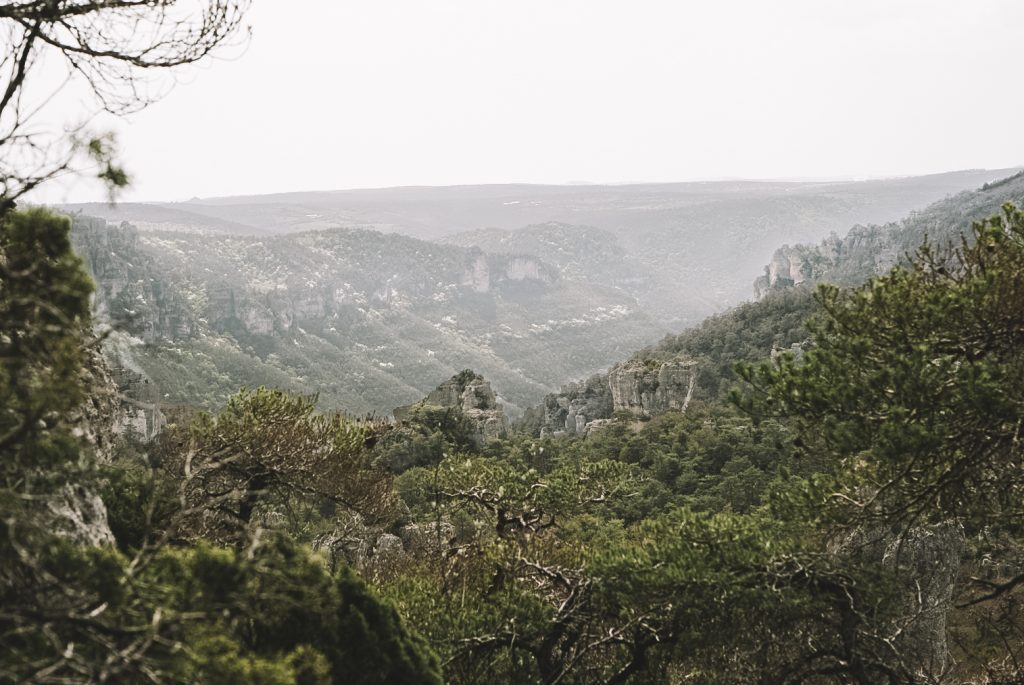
(76, 512)
(644, 389)
(577, 407)
(471, 395)
(924, 562)
(649, 388)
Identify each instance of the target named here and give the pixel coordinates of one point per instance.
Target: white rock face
(642, 389)
(257, 319)
(477, 401)
(80, 516)
(427, 539)
(645, 390)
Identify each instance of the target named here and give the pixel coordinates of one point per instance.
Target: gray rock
(925, 562)
(644, 389)
(649, 389)
(79, 515)
(428, 538)
(576, 407)
(473, 396)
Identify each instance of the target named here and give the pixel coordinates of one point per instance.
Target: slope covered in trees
(848, 518)
(775, 322)
(694, 244)
(855, 515)
(372, 321)
(871, 250)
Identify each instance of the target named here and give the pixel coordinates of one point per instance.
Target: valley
(204, 297)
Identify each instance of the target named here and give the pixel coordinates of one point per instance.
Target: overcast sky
(334, 94)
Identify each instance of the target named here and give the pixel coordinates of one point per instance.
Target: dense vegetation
(370, 320)
(850, 513)
(849, 516)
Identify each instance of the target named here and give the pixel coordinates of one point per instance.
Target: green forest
(845, 514)
(824, 485)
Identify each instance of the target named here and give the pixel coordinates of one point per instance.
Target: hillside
(583, 253)
(685, 249)
(367, 320)
(867, 251)
(753, 331)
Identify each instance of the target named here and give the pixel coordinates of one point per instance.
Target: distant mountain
(685, 249)
(160, 217)
(369, 321)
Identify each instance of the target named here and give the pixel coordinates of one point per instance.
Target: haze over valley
(316, 368)
(373, 297)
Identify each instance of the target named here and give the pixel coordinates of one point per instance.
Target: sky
(332, 94)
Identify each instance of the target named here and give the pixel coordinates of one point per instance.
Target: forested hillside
(370, 321)
(314, 438)
(774, 323)
(687, 249)
(868, 251)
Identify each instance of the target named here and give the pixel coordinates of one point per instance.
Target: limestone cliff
(643, 389)
(576, 409)
(471, 395)
(74, 511)
(129, 292)
(864, 252)
(138, 306)
(650, 388)
(870, 250)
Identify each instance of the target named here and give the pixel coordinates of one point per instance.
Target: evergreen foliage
(76, 610)
(914, 383)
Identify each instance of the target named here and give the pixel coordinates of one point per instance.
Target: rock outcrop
(471, 395)
(78, 514)
(867, 251)
(643, 389)
(575, 410)
(140, 416)
(924, 562)
(927, 560)
(649, 388)
(74, 511)
(128, 295)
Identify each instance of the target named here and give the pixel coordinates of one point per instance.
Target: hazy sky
(362, 93)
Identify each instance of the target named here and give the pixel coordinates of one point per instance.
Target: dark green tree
(915, 384)
(911, 398)
(266, 446)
